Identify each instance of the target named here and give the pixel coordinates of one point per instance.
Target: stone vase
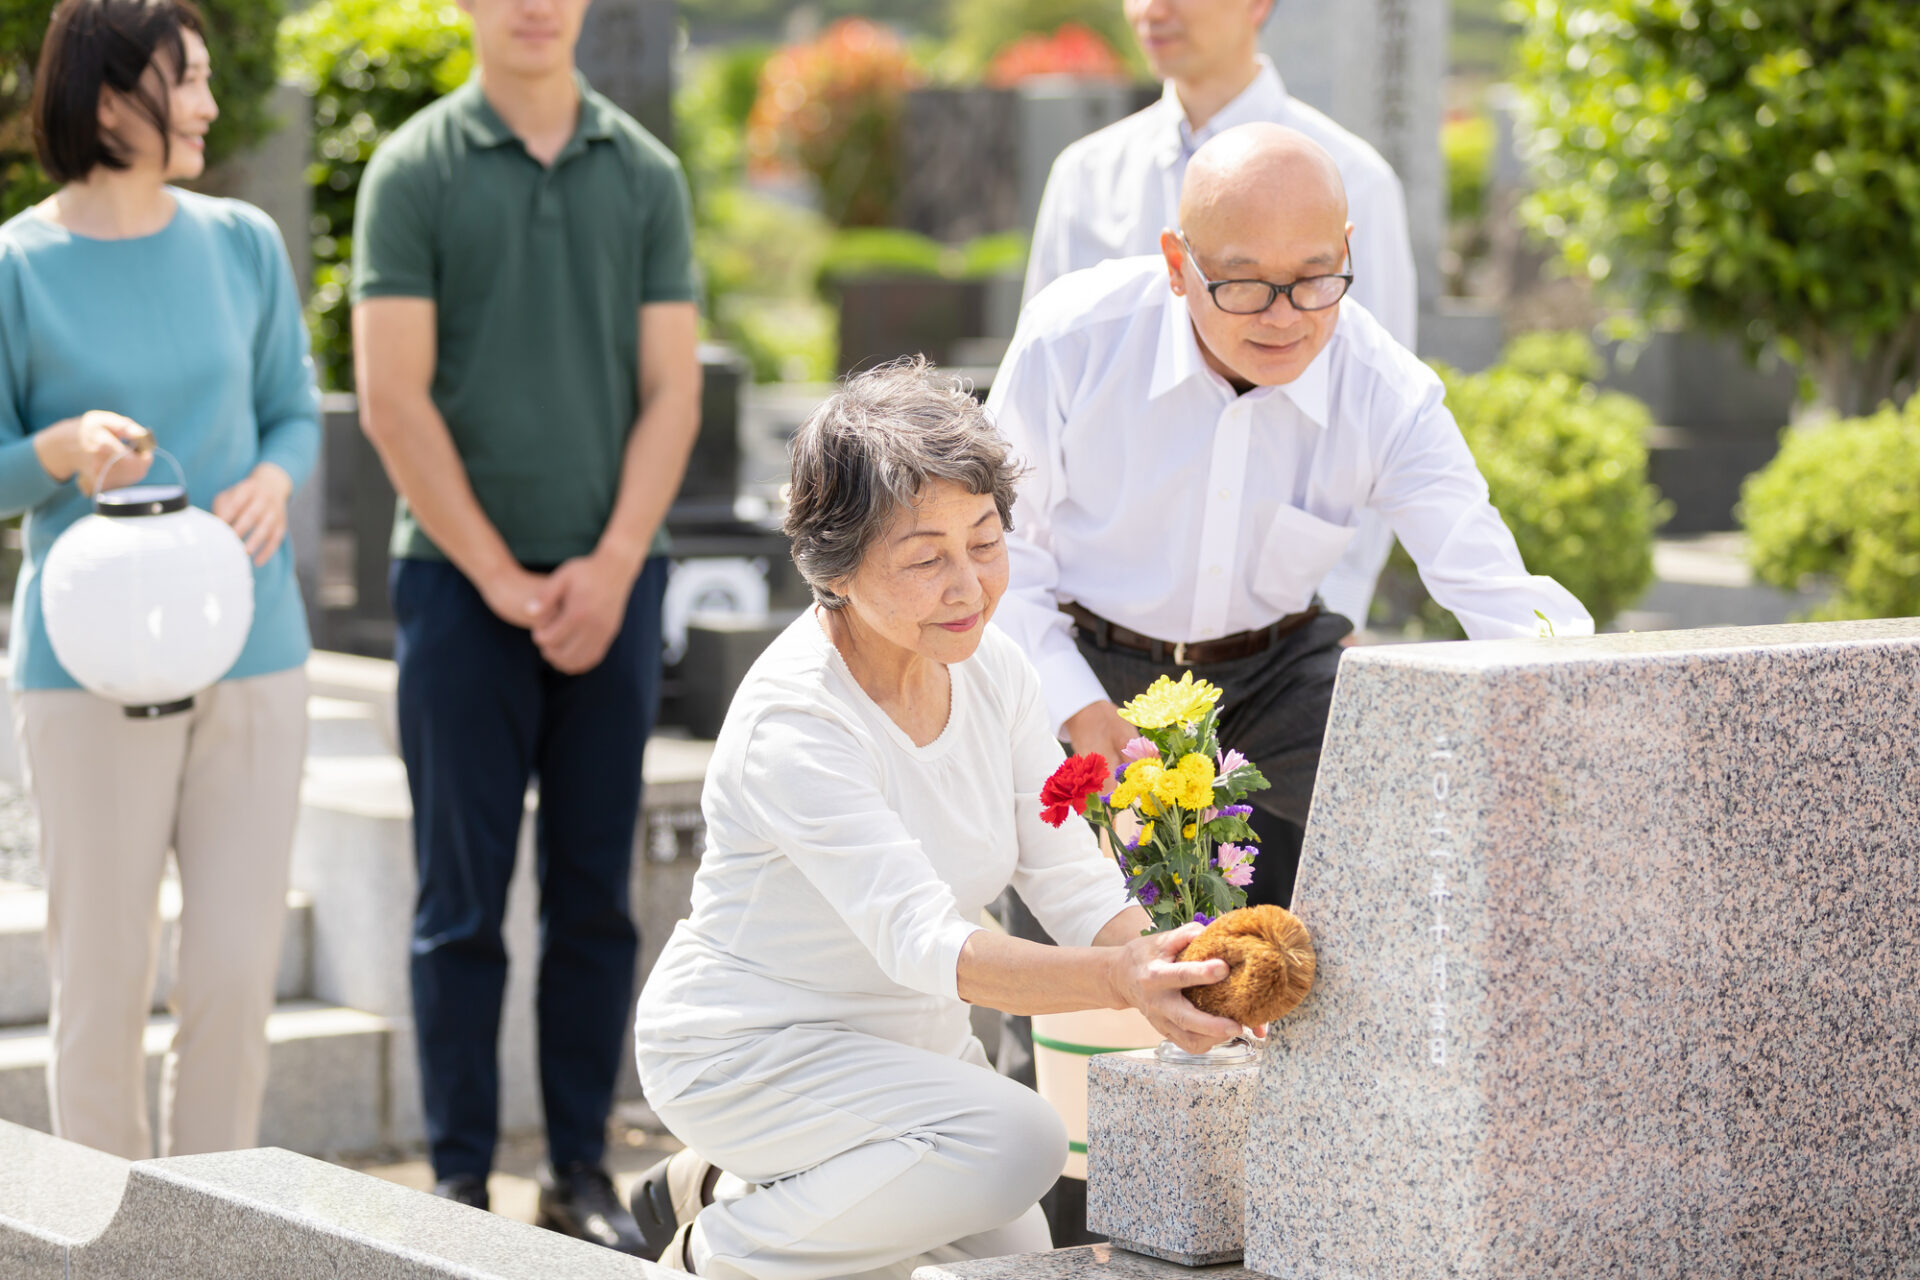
(1165, 1152)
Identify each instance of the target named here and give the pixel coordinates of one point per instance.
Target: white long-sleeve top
(1160, 499)
(1110, 195)
(846, 867)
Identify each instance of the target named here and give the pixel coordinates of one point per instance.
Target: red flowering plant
(1192, 857)
(833, 106)
(1073, 50)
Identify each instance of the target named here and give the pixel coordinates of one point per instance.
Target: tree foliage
(1753, 165)
(240, 37)
(1841, 505)
(370, 65)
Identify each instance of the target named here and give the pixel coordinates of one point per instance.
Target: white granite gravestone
(1619, 965)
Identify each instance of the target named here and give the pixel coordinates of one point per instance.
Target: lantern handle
(145, 445)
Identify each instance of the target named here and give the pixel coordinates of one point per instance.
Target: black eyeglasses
(1251, 297)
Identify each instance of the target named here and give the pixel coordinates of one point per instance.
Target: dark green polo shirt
(539, 275)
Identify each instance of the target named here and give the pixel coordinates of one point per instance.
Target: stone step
(326, 1086)
(23, 953)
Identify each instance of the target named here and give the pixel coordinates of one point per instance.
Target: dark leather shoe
(464, 1189)
(579, 1200)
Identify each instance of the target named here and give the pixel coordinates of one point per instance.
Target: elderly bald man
(1203, 430)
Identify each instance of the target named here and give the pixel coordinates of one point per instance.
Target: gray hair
(868, 453)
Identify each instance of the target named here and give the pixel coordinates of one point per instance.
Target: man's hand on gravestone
(1097, 727)
(1149, 978)
(582, 609)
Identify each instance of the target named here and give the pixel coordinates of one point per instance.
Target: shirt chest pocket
(1295, 556)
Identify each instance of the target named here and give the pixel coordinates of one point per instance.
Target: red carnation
(1076, 780)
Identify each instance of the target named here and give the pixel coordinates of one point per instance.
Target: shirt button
(1213, 571)
(1226, 495)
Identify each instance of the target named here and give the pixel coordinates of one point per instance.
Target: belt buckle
(1180, 653)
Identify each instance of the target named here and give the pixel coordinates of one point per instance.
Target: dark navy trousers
(481, 715)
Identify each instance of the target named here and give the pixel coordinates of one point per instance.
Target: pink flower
(1139, 749)
(1229, 761)
(1236, 864)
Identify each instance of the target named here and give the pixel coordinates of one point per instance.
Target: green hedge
(1566, 466)
(370, 64)
(1840, 504)
(240, 36)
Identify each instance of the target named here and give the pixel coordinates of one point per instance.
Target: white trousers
(870, 1158)
(220, 786)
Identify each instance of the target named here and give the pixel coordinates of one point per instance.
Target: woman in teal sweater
(132, 309)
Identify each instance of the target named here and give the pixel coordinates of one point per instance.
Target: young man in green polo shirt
(524, 337)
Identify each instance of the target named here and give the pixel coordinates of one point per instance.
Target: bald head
(1256, 173)
(1261, 203)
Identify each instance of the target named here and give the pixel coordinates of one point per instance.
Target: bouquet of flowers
(1193, 855)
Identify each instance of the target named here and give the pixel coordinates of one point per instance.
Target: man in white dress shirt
(1204, 429)
(1112, 193)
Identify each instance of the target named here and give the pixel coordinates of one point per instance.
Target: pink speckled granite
(1619, 965)
(1166, 1155)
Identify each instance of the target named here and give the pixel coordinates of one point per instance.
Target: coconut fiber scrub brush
(1269, 957)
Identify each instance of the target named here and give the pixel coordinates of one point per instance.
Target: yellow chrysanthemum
(1144, 781)
(1191, 828)
(1195, 782)
(1146, 835)
(1166, 703)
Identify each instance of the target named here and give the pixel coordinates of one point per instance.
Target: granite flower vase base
(1166, 1155)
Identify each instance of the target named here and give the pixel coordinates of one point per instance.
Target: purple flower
(1229, 761)
(1236, 811)
(1148, 893)
(1201, 917)
(1120, 772)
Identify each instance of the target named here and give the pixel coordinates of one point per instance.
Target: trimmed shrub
(1566, 467)
(370, 64)
(1840, 504)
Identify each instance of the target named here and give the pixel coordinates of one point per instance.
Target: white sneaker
(675, 1257)
(670, 1195)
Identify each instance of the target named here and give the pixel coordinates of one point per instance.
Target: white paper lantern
(148, 600)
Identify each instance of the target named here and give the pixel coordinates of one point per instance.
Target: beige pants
(220, 786)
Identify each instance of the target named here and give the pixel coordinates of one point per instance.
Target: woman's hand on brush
(1148, 976)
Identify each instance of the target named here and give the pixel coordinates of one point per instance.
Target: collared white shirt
(1111, 194)
(1161, 500)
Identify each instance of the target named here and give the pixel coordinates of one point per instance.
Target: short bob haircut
(869, 452)
(93, 45)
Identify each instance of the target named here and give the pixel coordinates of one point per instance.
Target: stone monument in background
(1376, 67)
(626, 52)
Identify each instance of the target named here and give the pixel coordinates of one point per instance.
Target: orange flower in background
(1073, 50)
(832, 107)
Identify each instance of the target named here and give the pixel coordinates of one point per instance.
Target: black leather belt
(1186, 653)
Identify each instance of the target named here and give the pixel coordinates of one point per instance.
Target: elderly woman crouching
(875, 785)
